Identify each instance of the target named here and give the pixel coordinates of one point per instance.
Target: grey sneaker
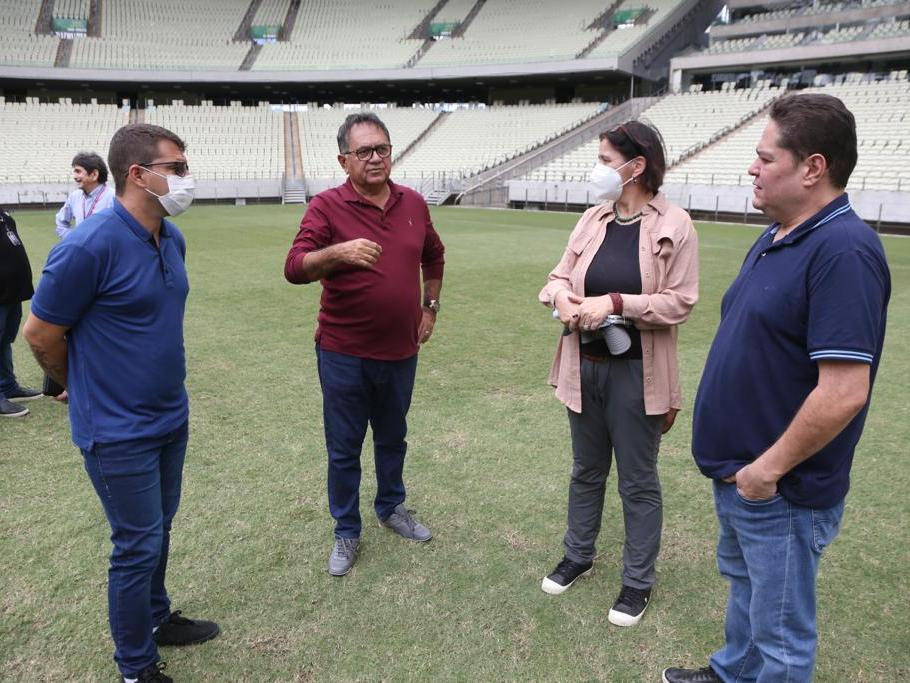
(24, 394)
(402, 522)
(10, 409)
(344, 552)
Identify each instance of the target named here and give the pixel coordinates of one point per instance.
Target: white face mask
(606, 181)
(179, 195)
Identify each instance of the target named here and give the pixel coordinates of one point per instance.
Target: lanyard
(94, 203)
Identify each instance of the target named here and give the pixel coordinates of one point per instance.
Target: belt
(595, 359)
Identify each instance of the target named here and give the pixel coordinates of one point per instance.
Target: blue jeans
(10, 317)
(138, 483)
(356, 392)
(769, 551)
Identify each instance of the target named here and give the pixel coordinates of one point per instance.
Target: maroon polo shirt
(370, 312)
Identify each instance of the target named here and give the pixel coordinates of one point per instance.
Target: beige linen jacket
(668, 257)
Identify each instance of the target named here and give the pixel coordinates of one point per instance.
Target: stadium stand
(846, 34)
(453, 12)
(28, 50)
(59, 130)
(19, 17)
(841, 35)
(468, 141)
(343, 34)
(710, 131)
(882, 111)
(520, 30)
(19, 45)
(891, 29)
(813, 9)
(723, 163)
(201, 34)
(781, 40)
(645, 16)
(769, 16)
(228, 143)
(814, 24)
(271, 13)
(71, 9)
(198, 34)
(686, 121)
(733, 45)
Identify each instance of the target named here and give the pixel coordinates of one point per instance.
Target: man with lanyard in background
(93, 195)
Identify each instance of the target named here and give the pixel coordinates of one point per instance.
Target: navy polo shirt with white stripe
(123, 299)
(820, 293)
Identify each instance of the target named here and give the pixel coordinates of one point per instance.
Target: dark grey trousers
(613, 421)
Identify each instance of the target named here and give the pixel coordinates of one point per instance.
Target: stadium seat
(686, 121)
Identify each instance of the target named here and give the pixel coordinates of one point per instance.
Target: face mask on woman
(606, 181)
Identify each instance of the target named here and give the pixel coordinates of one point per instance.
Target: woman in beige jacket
(631, 261)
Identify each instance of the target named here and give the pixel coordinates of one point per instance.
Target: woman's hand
(566, 304)
(593, 311)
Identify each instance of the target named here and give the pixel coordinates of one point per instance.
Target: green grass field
(487, 471)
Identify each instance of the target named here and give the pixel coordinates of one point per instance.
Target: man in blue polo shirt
(785, 391)
(107, 324)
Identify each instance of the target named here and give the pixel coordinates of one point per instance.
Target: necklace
(626, 220)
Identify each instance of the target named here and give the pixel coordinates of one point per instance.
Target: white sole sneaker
(623, 619)
(20, 414)
(23, 399)
(552, 588)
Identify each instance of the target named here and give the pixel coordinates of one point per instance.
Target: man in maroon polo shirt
(367, 242)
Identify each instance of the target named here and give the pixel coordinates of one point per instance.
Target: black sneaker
(629, 606)
(177, 631)
(154, 674)
(705, 675)
(564, 576)
(10, 409)
(24, 394)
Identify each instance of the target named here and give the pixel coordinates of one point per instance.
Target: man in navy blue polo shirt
(785, 391)
(107, 324)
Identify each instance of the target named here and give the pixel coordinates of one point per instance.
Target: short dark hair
(637, 139)
(136, 143)
(818, 124)
(91, 162)
(352, 120)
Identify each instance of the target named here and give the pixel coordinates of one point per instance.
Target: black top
(615, 268)
(15, 271)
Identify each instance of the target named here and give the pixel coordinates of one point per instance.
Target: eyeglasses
(180, 168)
(366, 153)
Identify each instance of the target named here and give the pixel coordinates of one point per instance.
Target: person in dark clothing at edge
(15, 287)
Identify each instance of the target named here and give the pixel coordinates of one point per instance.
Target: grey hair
(352, 120)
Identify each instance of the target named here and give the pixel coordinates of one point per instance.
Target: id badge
(13, 238)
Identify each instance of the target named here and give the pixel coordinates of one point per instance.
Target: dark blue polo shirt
(820, 293)
(123, 299)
